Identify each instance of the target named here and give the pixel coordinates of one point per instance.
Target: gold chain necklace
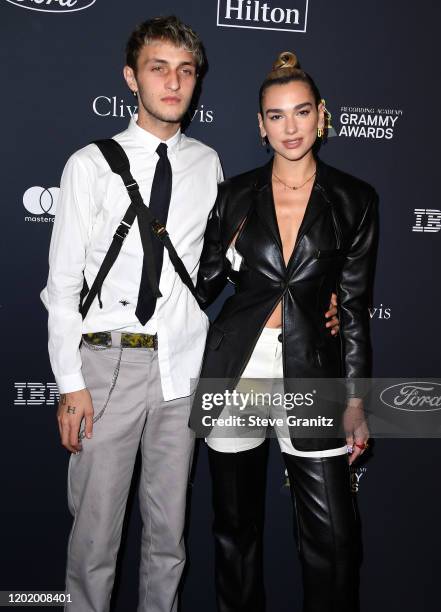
(289, 186)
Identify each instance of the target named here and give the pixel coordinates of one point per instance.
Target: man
(128, 385)
(142, 393)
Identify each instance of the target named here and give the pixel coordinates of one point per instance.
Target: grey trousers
(130, 413)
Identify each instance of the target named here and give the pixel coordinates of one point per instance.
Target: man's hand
(73, 407)
(355, 426)
(331, 314)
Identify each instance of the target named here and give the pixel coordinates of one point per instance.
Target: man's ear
(130, 78)
(261, 126)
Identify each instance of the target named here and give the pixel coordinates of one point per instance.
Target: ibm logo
(259, 15)
(431, 218)
(36, 394)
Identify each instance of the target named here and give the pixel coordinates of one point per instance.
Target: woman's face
(290, 119)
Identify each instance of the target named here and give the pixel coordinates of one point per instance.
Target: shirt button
(279, 337)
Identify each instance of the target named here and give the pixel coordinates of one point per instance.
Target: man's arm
(61, 296)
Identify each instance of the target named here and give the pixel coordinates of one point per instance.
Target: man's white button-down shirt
(91, 204)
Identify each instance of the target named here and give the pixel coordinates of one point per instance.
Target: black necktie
(159, 205)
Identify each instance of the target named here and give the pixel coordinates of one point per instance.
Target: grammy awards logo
(262, 15)
(376, 123)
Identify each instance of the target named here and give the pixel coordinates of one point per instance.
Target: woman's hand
(333, 323)
(356, 429)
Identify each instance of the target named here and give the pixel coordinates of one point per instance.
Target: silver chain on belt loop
(96, 418)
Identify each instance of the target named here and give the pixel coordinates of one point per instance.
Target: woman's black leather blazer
(334, 251)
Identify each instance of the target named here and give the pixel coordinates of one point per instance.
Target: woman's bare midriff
(275, 319)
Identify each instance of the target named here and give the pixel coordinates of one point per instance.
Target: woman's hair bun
(286, 60)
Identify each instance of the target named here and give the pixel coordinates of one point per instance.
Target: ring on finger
(362, 446)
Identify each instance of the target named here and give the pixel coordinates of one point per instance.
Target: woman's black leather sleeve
(354, 295)
(214, 267)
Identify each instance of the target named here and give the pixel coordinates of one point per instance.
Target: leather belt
(128, 340)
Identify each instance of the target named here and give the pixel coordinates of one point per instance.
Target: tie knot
(162, 150)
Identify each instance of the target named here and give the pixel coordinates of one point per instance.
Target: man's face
(165, 80)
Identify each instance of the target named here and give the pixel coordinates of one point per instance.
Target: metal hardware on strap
(122, 230)
(132, 186)
(158, 228)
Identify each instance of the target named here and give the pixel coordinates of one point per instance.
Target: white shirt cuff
(70, 383)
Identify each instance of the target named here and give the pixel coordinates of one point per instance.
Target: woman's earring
(135, 93)
(319, 132)
(327, 115)
(263, 141)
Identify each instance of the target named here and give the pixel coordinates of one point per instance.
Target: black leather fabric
(326, 530)
(238, 485)
(334, 251)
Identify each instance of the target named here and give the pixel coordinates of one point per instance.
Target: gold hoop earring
(319, 132)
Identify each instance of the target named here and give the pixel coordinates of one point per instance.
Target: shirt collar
(148, 140)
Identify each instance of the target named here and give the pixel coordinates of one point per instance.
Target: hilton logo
(262, 16)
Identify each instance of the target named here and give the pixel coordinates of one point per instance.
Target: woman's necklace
(289, 186)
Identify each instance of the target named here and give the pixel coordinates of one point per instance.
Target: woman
(288, 235)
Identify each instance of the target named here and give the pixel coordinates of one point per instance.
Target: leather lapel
(265, 203)
(318, 203)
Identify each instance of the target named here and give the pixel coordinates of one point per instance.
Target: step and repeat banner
(374, 63)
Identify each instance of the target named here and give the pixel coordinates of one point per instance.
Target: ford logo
(413, 396)
(53, 6)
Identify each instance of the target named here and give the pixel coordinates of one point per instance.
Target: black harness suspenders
(118, 161)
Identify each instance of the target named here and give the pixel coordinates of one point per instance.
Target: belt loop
(116, 339)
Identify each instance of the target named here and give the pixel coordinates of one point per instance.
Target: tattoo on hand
(71, 410)
(63, 399)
